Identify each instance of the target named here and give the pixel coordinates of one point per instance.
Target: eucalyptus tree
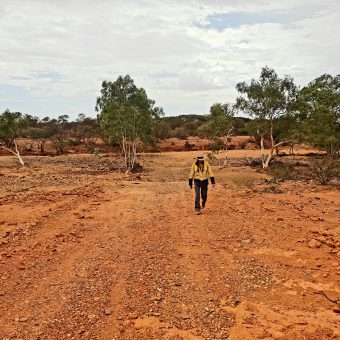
(220, 125)
(11, 127)
(267, 99)
(318, 110)
(127, 117)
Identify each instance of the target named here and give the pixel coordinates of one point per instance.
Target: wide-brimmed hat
(200, 157)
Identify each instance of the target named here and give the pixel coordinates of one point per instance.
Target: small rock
(236, 303)
(314, 244)
(336, 310)
(158, 298)
(91, 317)
(185, 316)
(23, 319)
(107, 311)
(132, 316)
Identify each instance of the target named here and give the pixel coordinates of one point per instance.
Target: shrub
(324, 169)
(216, 145)
(74, 142)
(188, 146)
(212, 158)
(243, 145)
(282, 171)
(96, 151)
(249, 183)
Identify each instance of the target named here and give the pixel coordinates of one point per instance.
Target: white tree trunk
(16, 152)
(225, 139)
(265, 161)
(129, 149)
(263, 157)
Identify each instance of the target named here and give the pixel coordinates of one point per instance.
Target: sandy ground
(89, 253)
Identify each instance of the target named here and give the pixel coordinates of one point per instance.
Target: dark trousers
(201, 190)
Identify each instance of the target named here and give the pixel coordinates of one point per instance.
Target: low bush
(282, 171)
(216, 145)
(324, 169)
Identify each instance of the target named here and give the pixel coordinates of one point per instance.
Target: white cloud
(77, 44)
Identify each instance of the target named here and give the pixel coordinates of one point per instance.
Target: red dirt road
(89, 253)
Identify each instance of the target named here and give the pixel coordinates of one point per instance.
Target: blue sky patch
(220, 21)
(45, 74)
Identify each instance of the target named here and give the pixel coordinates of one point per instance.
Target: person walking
(199, 176)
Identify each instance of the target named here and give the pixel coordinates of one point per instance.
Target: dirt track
(86, 252)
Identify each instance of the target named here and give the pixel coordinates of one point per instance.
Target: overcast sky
(187, 54)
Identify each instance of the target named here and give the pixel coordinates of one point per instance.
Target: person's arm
(211, 175)
(191, 176)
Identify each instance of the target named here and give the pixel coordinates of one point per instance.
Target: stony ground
(89, 253)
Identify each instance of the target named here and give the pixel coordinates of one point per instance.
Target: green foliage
(240, 126)
(216, 145)
(127, 116)
(324, 169)
(180, 132)
(220, 121)
(183, 126)
(125, 111)
(267, 100)
(63, 119)
(287, 128)
(257, 127)
(279, 112)
(162, 129)
(318, 111)
(11, 126)
(96, 151)
(269, 97)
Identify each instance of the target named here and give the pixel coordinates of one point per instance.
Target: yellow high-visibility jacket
(201, 174)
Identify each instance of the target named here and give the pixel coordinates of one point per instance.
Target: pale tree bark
(266, 160)
(129, 148)
(225, 140)
(262, 147)
(16, 152)
(271, 134)
(274, 146)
